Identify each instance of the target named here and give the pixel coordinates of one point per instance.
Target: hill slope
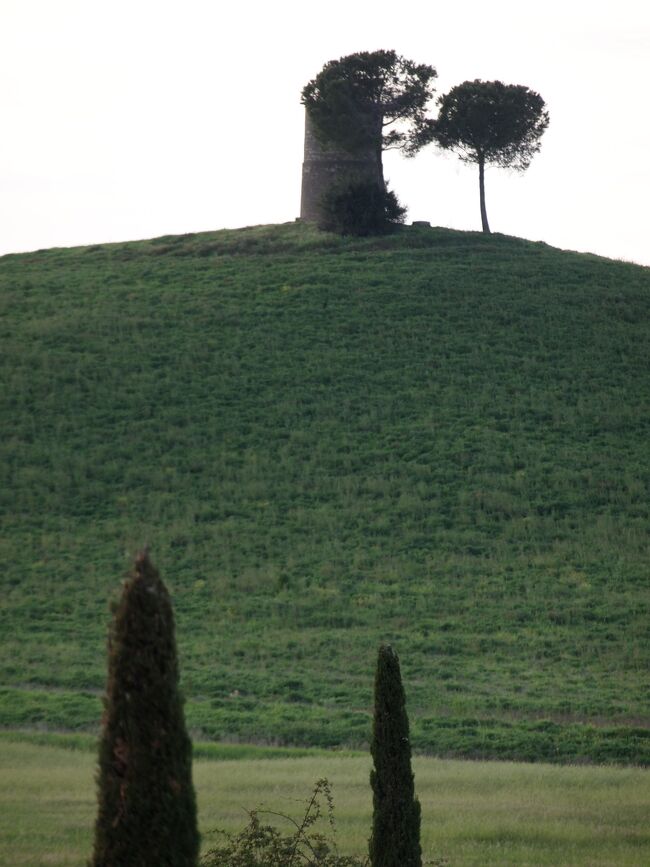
(438, 439)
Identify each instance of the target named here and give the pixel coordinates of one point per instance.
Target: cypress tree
(395, 840)
(147, 808)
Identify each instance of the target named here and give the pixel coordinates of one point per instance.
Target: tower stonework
(326, 166)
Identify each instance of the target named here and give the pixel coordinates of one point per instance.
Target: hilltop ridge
(300, 237)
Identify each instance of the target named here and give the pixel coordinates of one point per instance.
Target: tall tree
(490, 122)
(371, 100)
(395, 840)
(147, 808)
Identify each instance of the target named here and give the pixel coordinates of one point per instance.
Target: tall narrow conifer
(147, 808)
(395, 840)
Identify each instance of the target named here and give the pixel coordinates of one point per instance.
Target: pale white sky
(130, 119)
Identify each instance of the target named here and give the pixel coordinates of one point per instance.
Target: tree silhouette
(395, 840)
(147, 809)
(371, 101)
(490, 122)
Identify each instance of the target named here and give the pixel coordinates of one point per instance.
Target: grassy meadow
(437, 439)
(473, 813)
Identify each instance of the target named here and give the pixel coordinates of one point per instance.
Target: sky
(129, 120)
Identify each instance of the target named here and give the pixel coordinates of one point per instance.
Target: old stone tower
(326, 166)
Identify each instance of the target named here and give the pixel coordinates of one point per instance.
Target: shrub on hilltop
(361, 208)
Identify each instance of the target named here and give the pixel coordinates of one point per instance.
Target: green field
(473, 813)
(437, 439)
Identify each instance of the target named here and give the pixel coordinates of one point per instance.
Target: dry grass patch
(474, 813)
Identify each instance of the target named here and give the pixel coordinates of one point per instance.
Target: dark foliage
(371, 99)
(490, 122)
(395, 840)
(500, 123)
(259, 845)
(361, 208)
(147, 808)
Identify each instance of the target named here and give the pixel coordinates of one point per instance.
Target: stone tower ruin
(326, 165)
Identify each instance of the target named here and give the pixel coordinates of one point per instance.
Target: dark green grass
(438, 439)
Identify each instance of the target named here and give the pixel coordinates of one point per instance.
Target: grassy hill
(437, 439)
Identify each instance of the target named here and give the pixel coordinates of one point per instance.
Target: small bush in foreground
(361, 208)
(264, 845)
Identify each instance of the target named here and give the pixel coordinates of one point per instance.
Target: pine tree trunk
(481, 186)
(379, 145)
(380, 171)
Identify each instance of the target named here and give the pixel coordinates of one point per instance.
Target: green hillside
(439, 439)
